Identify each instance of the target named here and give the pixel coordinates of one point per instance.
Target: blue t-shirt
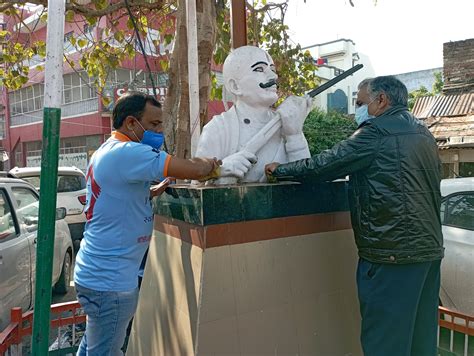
(119, 213)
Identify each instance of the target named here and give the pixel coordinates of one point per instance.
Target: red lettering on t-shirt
(95, 192)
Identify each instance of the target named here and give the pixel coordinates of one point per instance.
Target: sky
(399, 36)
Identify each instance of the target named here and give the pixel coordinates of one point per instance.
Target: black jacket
(394, 192)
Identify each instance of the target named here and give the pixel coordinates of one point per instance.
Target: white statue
(251, 133)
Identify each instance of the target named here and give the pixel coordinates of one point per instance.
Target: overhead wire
(145, 57)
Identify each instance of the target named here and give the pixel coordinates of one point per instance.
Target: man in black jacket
(394, 197)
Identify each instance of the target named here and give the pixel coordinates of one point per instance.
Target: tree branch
(86, 10)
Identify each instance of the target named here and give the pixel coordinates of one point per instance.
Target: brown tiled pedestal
(265, 285)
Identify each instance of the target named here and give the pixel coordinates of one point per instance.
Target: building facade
(85, 120)
(333, 58)
(421, 78)
(450, 116)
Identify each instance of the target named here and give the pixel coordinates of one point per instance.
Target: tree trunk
(176, 107)
(207, 30)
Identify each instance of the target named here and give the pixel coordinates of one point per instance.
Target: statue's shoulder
(225, 119)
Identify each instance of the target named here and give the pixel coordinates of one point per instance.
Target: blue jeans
(108, 314)
(399, 308)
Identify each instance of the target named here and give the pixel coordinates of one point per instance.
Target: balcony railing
(71, 109)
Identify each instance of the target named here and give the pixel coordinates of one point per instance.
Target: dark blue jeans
(399, 308)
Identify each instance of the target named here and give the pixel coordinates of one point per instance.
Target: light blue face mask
(362, 114)
(151, 138)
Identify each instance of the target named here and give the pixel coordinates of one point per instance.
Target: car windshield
(66, 183)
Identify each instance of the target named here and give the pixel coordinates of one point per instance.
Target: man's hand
(237, 164)
(270, 168)
(158, 189)
(293, 112)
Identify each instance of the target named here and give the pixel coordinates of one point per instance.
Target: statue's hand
(293, 112)
(237, 164)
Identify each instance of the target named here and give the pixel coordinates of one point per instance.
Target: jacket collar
(393, 110)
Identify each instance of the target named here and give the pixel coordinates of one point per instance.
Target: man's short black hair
(132, 104)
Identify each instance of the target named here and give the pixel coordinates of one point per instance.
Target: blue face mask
(151, 138)
(362, 114)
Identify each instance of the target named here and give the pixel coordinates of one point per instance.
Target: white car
(457, 267)
(71, 195)
(19, 208)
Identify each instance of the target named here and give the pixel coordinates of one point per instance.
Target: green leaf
(70, 16)
(82, 42)
(119, 36)
(164, 65)
(144, 21)
(106, 100)
(168, 38)
(91, 20)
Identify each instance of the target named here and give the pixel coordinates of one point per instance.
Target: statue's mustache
(268, 84)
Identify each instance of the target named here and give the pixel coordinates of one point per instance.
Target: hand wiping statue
(252, 133)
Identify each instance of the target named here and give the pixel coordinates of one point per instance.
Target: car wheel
(64, 280)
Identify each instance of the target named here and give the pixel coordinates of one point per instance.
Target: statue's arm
(296, 147)
(214, 143)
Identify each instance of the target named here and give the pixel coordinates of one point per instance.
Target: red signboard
(160, 92)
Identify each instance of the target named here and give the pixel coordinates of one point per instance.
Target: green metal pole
(49, 176)
(47, 220)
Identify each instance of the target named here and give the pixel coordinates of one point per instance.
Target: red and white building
(86, 122)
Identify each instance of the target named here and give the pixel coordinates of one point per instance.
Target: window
(447, 170)
(458, 211)
(70, 183)
(27, 99)
(77, 87)
(28, 208)
(466, 169)
(2, 126)
(7, 225)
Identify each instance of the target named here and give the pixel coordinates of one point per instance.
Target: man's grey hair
(395, 90)
(364, 83)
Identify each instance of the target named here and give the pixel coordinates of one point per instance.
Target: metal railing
(21, 325)
(71, 109)
(455, 330)
(455, 333)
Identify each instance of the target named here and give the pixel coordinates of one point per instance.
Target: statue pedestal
(256, 269)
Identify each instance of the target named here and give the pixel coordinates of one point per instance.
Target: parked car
(457, 268)
(19, 208)
(71, 195)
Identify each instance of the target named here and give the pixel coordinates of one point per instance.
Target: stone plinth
(256, 269)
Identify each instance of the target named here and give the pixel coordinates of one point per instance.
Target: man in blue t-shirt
(120, 219)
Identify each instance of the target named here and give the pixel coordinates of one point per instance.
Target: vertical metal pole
(238, 20)
(49, 175)
(193, 74)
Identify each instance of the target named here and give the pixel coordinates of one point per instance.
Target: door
(457, 214)
(28, 214)
(15, 262)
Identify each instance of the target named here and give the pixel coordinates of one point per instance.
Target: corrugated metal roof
(457, 131)
(444, 105)
(422, 106)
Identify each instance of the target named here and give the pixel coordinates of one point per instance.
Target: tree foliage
(324, 129)
(98, 55)
(423, 91)
(266, 28)
(104, 37)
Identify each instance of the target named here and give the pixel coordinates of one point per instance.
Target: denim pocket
(90, 300)
(373, 269)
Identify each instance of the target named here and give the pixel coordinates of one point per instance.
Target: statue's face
(256, 68)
